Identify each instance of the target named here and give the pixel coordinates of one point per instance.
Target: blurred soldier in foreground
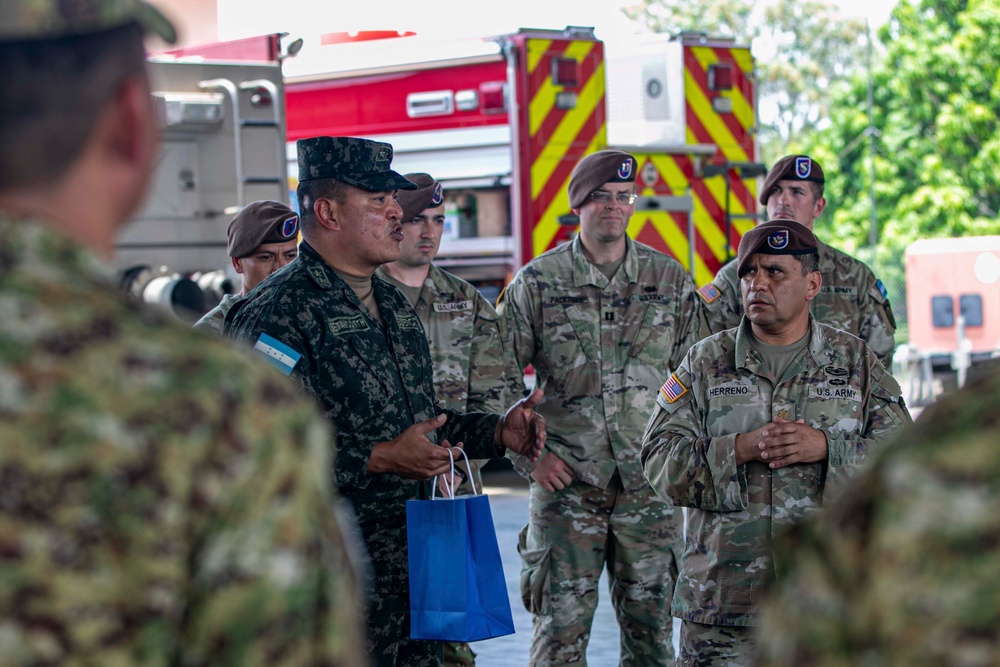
(602, 320)
(759, 426)
(262, 239)
(161, 497)
(851, 298)
(352, 340)
(905, 569)
(461, 327)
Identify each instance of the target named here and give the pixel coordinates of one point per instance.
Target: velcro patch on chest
(408, 321)
(834, 390)
(839, 290)
(452, 307)
(734, 388)
(342, 325)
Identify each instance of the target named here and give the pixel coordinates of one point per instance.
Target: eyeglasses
(603, 197)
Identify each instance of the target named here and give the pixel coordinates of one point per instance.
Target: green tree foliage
(803, 50)
(937, 110)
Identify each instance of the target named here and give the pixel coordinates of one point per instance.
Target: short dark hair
(809, 261)
(51, 92)
(318, 188)
(818, 189)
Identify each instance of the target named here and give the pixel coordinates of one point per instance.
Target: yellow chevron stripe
(536, 51)
(544, 98)
(742, 107)
(548, 225)
(702, 107)
(566, 132)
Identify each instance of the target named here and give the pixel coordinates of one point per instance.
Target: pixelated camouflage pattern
(572, 533)
(213, 320)
(715, 645)
(467, 350)
(836, 385)
(49, 19)
(600, 375)
(904, 570)
(162, 497)
(361, 162)
(849, 300)
(373, 384)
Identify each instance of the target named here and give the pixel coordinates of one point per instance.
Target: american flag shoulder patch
(672, 389)
(709, 293)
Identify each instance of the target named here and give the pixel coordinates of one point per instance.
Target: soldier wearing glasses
(602, 319)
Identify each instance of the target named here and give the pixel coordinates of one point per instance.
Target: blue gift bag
(457, 588)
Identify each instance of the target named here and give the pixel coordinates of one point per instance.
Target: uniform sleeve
(885, 414)
(723, 302)
(488, 363)
(682, 465)
(519, 308)
(274, 573)
(692, 322)
(877, 326)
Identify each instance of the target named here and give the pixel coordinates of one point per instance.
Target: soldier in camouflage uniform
(757, 428)
(263, 237)
(462, 329)
(851, 299)
(905, 569)
(602, 319)
(353, 341)
(161, 496)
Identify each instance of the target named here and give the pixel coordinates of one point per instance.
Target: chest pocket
(568, 339)
(654, 333)
(733, 407)
(835, 404)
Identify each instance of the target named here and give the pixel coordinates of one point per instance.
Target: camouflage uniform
(851, 299)
(720, 390)
(215, 318)
(373, 384)
(467, 349)
(904, 570)
(160, 495)
(600, 348)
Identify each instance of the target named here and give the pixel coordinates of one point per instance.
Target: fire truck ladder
(263, 93)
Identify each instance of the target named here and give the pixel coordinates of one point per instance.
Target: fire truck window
(971, 307)
(942, 311)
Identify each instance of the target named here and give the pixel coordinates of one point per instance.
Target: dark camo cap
(776, 237)
(51, 19)
(361, 162)
(261, 222)
(791, 168)
(429, 194)
(593, 171)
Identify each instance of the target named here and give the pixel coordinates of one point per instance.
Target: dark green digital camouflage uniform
(467, 349)
(162, 497)
(851, 299)
(836, 385)
(905, 569)
(470, 363)
(600, 349)
(373, 384)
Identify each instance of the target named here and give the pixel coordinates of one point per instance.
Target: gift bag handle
(449, 485)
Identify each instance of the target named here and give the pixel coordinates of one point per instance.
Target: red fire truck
(502, 121)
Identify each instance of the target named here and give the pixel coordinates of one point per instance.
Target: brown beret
(261, 222)
(595, 170)
(777, 237)
(427, 195)
(791, 168)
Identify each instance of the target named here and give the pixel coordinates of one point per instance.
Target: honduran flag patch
(277, 353)
(672, 389)
(709, 293)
